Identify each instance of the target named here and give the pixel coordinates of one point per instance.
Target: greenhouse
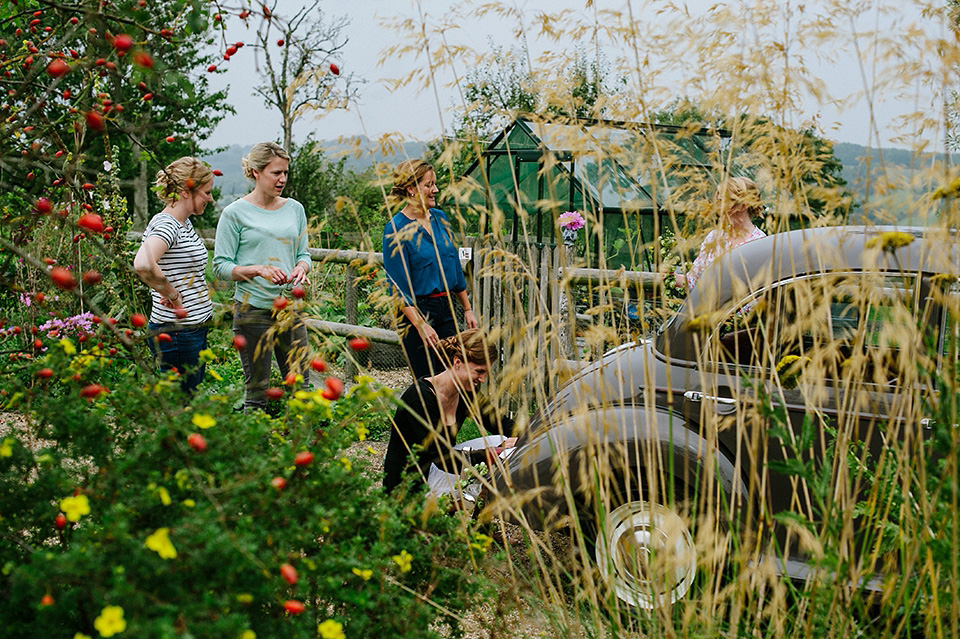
(629, 180)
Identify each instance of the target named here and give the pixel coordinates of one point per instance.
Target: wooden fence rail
(525, 295)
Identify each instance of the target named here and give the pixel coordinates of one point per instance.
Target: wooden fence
(531, 299)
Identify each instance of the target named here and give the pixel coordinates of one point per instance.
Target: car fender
(552, 473)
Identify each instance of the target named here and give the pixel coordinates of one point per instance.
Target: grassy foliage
(125, 508)
(185, 536)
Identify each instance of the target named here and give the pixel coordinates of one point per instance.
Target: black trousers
(423, 361)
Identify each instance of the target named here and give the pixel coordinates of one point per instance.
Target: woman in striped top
(172, 261)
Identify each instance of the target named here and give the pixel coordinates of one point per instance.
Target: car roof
(783, 256)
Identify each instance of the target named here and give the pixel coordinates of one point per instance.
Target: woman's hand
(428, 334)
(470, 317)
(299, 275)
(172, 300)
(272, 274)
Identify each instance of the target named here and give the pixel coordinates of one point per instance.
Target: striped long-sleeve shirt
(184, 263)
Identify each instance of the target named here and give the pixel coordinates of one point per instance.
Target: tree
(121, 84)
(339, 199)
(95, 96)
(504, 88)
(496, 93)
(298, 72)
(799, 163)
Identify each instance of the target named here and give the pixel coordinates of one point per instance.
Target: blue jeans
(424, 362)
(181, 352)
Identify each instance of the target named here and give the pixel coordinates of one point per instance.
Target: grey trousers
(267, 337)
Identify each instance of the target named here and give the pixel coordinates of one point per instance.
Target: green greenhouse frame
(636, 178)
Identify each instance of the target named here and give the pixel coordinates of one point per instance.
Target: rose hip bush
(124, 512)
(123, 509)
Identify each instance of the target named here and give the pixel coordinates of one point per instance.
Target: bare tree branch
(299, 78)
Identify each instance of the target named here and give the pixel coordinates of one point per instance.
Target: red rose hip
(197, 442)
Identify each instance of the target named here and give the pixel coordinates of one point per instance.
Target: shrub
(124, 509)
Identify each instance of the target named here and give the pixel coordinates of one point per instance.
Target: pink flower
(571, 220)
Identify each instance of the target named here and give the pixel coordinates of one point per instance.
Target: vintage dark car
(832, 329)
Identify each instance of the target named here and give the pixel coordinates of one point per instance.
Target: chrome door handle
(697, 396)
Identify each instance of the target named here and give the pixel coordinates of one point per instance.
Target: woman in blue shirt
(423, 266)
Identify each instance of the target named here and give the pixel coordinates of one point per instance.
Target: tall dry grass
(884, 510)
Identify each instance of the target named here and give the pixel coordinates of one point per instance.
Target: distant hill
(359, 152)
(890, 185)
(886, 200)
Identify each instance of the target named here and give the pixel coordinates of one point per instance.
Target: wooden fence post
(350, 311)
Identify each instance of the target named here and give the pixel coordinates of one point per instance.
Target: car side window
(865, 320)
(948, 341)
(827, 318)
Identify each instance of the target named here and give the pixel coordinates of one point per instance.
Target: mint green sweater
(248, 234)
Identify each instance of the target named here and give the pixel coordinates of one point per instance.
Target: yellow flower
(706, 322)
(68, 346)
(6, 448)
(890, 241)
(189, 503)
(207, 355)
(183, 479)
(159, 542)
(942, 280)
(164, 496)
(110, 621)
(347, 464)
(951, 190)
(404, 559)
(80, 635)
(217, 376)
(203, 421)
(248, 634)
(371, 450)
(75, 507)
(244, 598)
(362, 432)
(481, 542)
(786, 361)
(331, 629)
(789, 369)
(363, 573)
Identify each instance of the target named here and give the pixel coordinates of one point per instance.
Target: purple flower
(571, 220)
(79, 324)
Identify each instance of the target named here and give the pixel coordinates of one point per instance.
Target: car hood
(618, 378)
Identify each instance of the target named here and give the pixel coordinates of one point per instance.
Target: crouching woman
(433, 409)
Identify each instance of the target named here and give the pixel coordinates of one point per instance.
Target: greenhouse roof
(616, 165)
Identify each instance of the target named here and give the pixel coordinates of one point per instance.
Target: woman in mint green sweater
(262, 245)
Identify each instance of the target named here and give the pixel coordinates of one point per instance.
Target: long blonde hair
(740, 190)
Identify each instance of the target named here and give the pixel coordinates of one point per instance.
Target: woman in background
(423, 265)
(433, 409)
(262, 245)
(738, 201)
(172, 261)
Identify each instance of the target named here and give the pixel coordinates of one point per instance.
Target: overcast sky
(412, 113)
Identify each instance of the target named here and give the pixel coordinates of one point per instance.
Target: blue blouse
(418, 264)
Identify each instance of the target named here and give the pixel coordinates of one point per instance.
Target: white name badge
(466, 253)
